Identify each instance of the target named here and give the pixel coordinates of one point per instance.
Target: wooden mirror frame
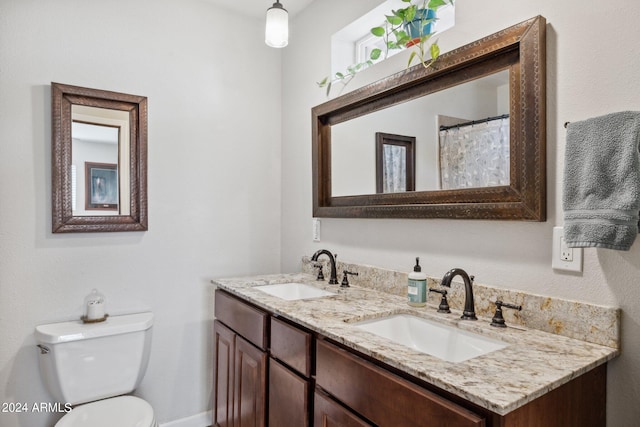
(521, 49)
(63, 97)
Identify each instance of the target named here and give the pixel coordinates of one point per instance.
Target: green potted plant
(407, 27)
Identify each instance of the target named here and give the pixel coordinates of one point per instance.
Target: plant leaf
(411, 57)
(322, 82)
(410, 13)
(394, 20)
(435, 4)
(378, 31)
(328, 89)
(340, 75)
(435, 51)
(400, 35)
(375, 54)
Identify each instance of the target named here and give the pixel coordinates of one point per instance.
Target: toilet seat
(123, 411)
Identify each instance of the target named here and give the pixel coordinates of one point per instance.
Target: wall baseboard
(202, 419)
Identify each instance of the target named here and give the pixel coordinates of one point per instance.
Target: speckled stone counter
(534, 363)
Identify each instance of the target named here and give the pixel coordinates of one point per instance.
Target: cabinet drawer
(328, 413)
(246, 320)
(291, 345)
(288, 397)
(382, 397)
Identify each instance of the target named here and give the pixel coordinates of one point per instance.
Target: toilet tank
(83, 362)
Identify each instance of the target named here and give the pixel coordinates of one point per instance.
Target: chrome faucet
(469, 312)
(333, 279)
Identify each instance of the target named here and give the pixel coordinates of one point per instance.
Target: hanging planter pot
(422, 24)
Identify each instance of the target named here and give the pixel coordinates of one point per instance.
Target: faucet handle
(345, 280)
(498, 320)
(320, 274)
(444, 304)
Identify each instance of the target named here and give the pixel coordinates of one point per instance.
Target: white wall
(214, 177)
(592, 67)
(214, 172)
(353, 143)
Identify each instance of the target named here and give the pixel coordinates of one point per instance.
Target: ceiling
(258, 8)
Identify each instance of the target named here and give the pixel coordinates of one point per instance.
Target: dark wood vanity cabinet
(269, 371)
(240, 364)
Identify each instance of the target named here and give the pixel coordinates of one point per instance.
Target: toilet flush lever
(43, 349)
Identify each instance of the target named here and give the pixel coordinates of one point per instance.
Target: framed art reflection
(101, 186)
(395, 163)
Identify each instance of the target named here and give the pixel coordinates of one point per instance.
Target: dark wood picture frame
(520, 49)
(409, 144)
(101, 186)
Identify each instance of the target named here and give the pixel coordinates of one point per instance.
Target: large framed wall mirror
(99, 160)
(477, 122)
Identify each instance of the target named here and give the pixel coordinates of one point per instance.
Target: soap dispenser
(417, 289)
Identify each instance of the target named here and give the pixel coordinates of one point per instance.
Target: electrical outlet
(316, 230)
(564, 257)
(566, 253)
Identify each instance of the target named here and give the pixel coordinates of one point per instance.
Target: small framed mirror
(98, 160)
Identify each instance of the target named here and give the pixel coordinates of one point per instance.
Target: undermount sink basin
(294, 291)
(442, 341)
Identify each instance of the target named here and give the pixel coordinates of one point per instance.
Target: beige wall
(592, 68)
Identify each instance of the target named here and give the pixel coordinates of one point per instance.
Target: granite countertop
(534, 363)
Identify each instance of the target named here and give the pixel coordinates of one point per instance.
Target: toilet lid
(123, 411)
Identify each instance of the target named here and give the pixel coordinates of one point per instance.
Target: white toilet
(98, 363)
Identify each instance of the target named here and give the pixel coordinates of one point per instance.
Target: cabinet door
(223, 368)
(328, 413)
(250, 385)
(288, 397)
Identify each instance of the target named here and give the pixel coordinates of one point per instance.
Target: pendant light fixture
(276, 32)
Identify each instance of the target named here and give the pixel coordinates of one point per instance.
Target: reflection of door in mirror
(395, 163)
(353, 157)
(99, 161)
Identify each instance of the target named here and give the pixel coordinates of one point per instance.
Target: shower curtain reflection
(475, 155)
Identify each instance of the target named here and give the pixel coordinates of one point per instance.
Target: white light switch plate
(316, 230)
(563, 257)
